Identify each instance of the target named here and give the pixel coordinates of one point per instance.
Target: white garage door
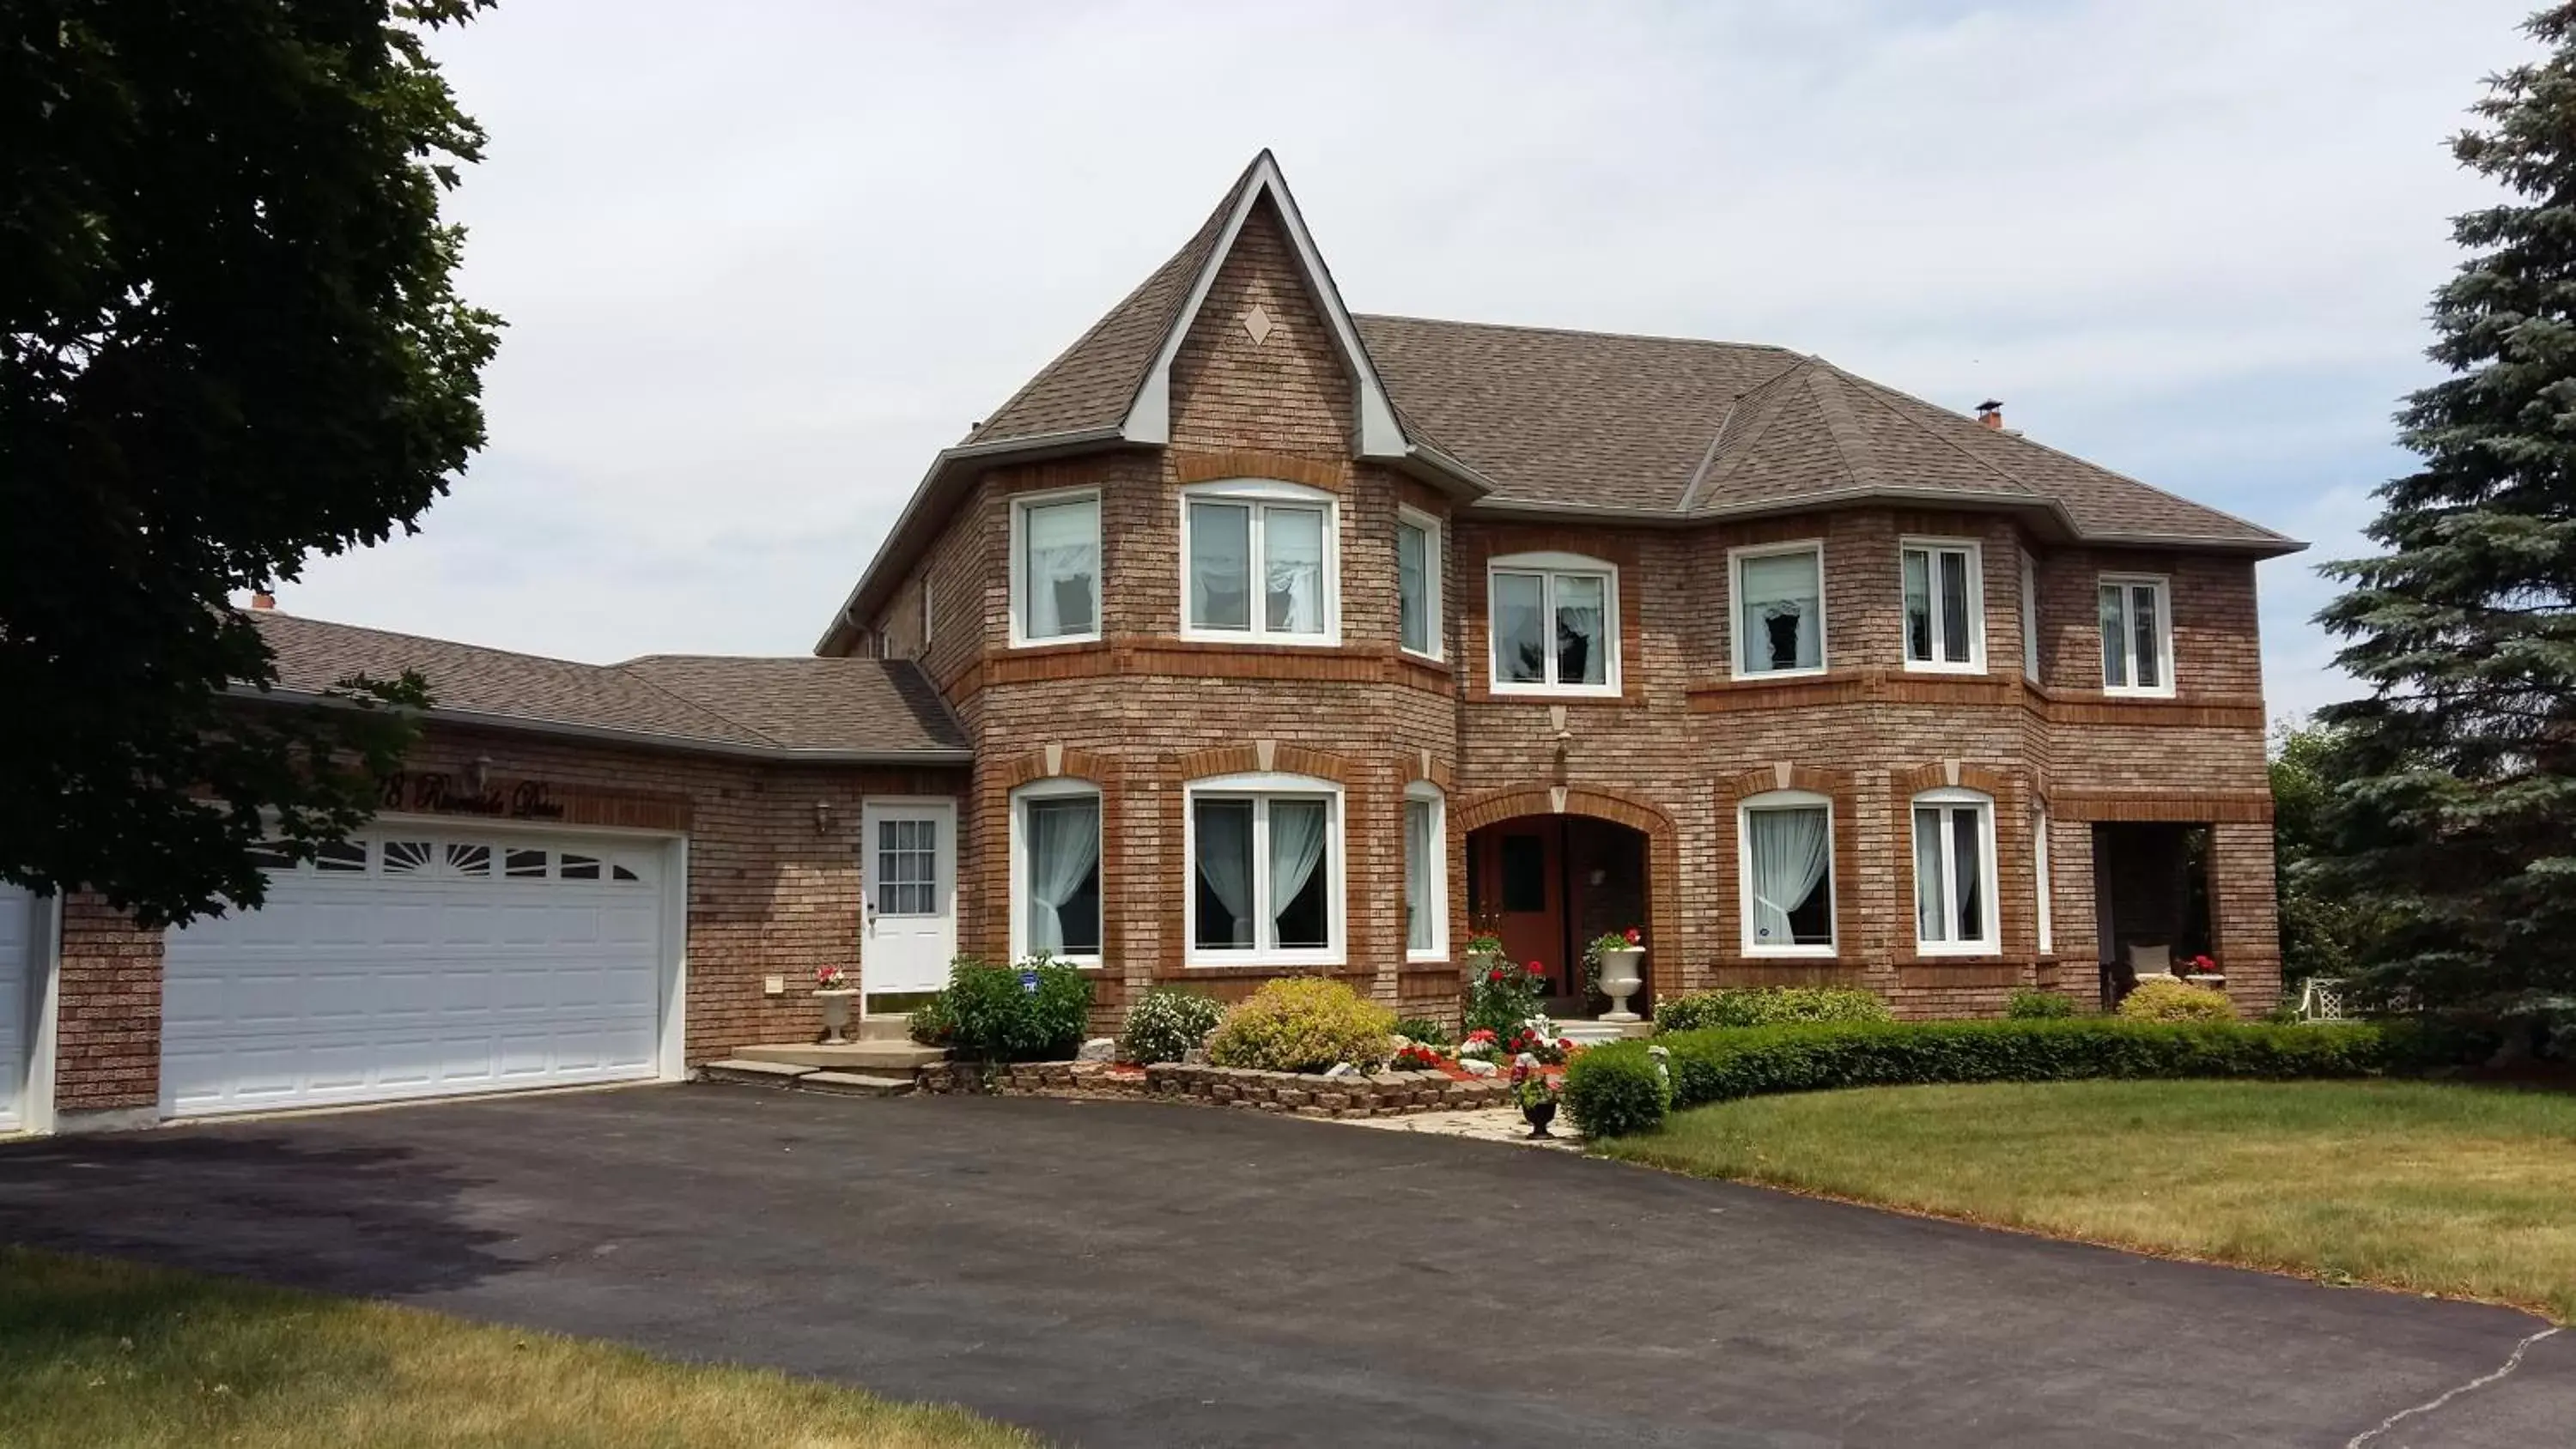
(17, 974)
(421, 962)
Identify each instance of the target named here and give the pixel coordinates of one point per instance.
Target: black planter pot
(1539, 1114)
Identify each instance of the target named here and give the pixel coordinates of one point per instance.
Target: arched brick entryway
(1663, 856)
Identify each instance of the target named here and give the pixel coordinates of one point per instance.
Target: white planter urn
(1623, 974)
(836, 1014)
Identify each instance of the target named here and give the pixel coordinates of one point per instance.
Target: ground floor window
(1954, 871)
(1265, 871)
(1785, 842)
(1055, 871)
(1426, 875)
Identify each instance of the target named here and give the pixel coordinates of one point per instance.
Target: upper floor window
(1055, 568)
(1258, 562)
(1785, 843)
(1055, 870)
(1426, 874)
(2137, 635)
(1555, 620)
(1779, 617)
(1417, 583)
(1944, 605)
(1265, 871)
(1954, 872)
(2029, 619)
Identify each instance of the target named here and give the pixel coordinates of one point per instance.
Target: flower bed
(1305, 1094)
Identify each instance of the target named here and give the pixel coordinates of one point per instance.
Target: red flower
(1494, 975)
(1633, 936)
(1536, 969)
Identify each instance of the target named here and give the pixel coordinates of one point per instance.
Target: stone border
(1304, 1094)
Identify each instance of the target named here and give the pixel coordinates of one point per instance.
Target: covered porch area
(1547, 884)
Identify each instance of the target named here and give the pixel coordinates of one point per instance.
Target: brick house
(1253, 636)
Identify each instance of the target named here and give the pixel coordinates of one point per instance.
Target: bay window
(1265, 871)
(1555, 624)
(1417, 583)
(1779, 615)
(1785, 850)
(1944, 605)
(2137, 635)
(1258, 561)
(1426, 875)
(1055, 568)
(1954, 872)
(1055, 871)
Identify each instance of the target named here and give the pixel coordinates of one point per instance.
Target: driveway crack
(2512, 1361)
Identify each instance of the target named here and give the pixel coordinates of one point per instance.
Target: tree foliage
(2325, 931)
(2456, 806)
(231, 340)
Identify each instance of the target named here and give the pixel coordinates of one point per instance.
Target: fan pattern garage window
(407, 856)
(1264, 875)
(1954, 871)
(907, 875)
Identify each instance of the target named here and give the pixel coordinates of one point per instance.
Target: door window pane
(1220, 566)
(1524, 873)
(1293, 570)
(907, 868)
(1412, 587)
(1520, 628)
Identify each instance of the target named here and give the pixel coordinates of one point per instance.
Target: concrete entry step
(755, 1073)
(887, 1028)
(893, 1058)
(854, 1084)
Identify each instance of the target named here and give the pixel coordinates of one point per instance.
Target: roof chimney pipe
(263, 600)
(1991, 413)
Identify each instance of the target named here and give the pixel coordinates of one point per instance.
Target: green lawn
(2463, 1191)
(111, 1354)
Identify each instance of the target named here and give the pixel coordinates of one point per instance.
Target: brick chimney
(263, 600)
(1991, 413)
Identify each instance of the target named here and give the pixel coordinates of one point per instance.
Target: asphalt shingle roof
(756, 704)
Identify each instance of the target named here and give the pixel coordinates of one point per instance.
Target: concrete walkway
(1132, 1273)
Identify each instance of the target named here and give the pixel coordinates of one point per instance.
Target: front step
(888, 1058)
(755, 1073)
(897, 1027)
(1594, 1033)
(854, 1084)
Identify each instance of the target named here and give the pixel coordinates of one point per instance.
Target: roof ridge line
(1764, 414)
(1542, 327)
(1708, 458)
(1838, 421)
(1917, 425)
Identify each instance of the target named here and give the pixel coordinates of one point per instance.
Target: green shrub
(1770, 1005)
(1613, 1090)
(986, 1014)
(2167, 999)
(1503, 996)
(1167, 1025)
(2028, 1005)
(1422, 1029)
(1302, 1024)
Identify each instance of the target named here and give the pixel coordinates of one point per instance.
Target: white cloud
(758, 271)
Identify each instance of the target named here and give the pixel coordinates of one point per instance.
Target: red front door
(1521, 884)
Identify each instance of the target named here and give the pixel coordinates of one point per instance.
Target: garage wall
(769, 892)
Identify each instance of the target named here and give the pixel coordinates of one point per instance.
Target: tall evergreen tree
(2455, 806)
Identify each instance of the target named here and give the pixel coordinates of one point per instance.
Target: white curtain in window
(1929, 919)
(2115, 640)
(1419, 881)
(1520, 628)
(1968, 859)
(1580, 657)
(1293, 542)
(1296, 847)
(1790, 856)
(1064, 849)
(1954, 606)
(2142, 625)
(1220, 566)
(1062, 572)
(1225, 861)
(1918, 605)
(1783, 613)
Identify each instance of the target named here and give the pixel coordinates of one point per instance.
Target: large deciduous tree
(2455, 807)
(231, 340)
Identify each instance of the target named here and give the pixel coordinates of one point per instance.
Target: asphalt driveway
(1132, 1273)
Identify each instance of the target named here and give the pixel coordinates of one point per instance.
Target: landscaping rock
(1479, 1067)
(1342, 1069)
(1098, 1049)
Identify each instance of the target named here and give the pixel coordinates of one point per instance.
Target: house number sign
(436, 793)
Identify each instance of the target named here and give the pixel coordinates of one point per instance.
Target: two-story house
(1250, 637)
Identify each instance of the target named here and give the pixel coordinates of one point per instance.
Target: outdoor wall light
(822, 817)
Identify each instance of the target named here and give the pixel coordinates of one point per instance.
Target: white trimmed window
(2137, 635)
(1785, 854)
(2039, 872)
(929, 614)
(1265, 871)
(1417, 583)
(1945, 605)
(1055, 871)
(1555, 624)
(1954, 872)
(1258, 561)
(1426, 873)
(2029, 619)
(1778, 622)
(1055, 568)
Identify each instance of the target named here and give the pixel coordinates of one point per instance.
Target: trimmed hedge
(2029, 1005)
(1727, 1063)
(2166, 999)
(1769, 1006)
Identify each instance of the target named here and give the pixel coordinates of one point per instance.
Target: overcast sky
(761, 261)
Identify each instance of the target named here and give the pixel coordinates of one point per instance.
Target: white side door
(17, 979)
(908, 919)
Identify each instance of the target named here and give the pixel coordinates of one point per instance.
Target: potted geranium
(1618, 972)
(832, 988)
(1535, 1093)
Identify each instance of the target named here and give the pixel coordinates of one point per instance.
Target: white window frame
(1061, 787)
(1434, 564)
(927, 611)
(1262, 787)
(1424, 792)
(1257, 494)
(2163, 585)
(2030, 617)
(2040, 882)
(1020, 506)
(1549, 567)
(1735, 558)
(1744, 813)
(1947, 799)
(1933, 548)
